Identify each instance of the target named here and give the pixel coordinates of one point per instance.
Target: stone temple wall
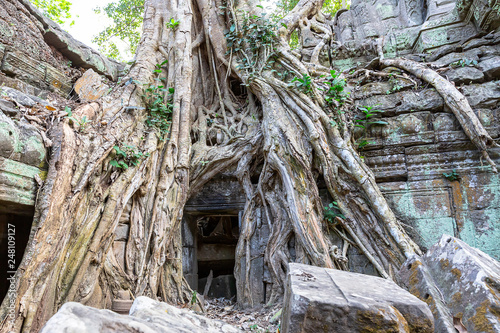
(422, 142)
(37, 56)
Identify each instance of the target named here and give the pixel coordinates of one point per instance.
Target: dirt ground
(261, 320)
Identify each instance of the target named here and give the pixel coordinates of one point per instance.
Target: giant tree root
(455, 100)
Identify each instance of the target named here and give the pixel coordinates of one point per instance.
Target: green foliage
(81, 123)
(335, 91)
(283, 7)
(56, 10)
(365, 121)
(172, 24)
(396, 86)
(159, 104)
(332, 211)
(464, 62)
(255, 36)
(126, 156)
(452, 176)
(362, 144)
(304, 84)
(127, 17)
(193, 297)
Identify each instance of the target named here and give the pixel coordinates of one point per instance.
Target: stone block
(121, 306)
(90, 86)
(192, 280)
(465, 75)
(2, 52)
(119, 250)
(221, 194)
(121, 232)
(146, 315)
(80, 54)
(327, 300)
(215, 252)
(58, 81)
(484, 95)
(8, 108)
(406, 102)
(415, 275)
(467, 285)
(490, 67)
(23, 67)
(17, 186)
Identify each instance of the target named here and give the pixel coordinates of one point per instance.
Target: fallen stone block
(468, 283)
(146, 316)
(418, 280)
(90, 87)
(328, 300)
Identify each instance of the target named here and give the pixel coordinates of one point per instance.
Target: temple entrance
(209, 254)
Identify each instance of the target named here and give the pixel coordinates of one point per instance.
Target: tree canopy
(127, 18)
(56, 10)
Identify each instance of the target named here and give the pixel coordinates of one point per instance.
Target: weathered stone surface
(90, 86)
(457, 281)
(464, 75)
(490, 67)
(418, 280)
(327, 300)
(223, 193)
(483, 95)
(121, 232)
(22, 155)
(21, 142)
(146, 316)
(22, 98)
(43, 55)
(8, 108)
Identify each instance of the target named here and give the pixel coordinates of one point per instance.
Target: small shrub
(172, 24)
(335, 91)
(464, 62)
(332, 211)
(126, 156)
(452, 176)
(304, 84)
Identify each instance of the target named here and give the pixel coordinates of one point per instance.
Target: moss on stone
(481, 323)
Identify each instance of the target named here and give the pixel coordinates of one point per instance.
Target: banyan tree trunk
(293, 134)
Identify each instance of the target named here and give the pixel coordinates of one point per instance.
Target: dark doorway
(210, 251)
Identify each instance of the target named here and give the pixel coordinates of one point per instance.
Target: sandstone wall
(37, 56)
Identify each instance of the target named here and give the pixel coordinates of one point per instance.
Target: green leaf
(378, 122)
(67, 109)
(114, 163)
